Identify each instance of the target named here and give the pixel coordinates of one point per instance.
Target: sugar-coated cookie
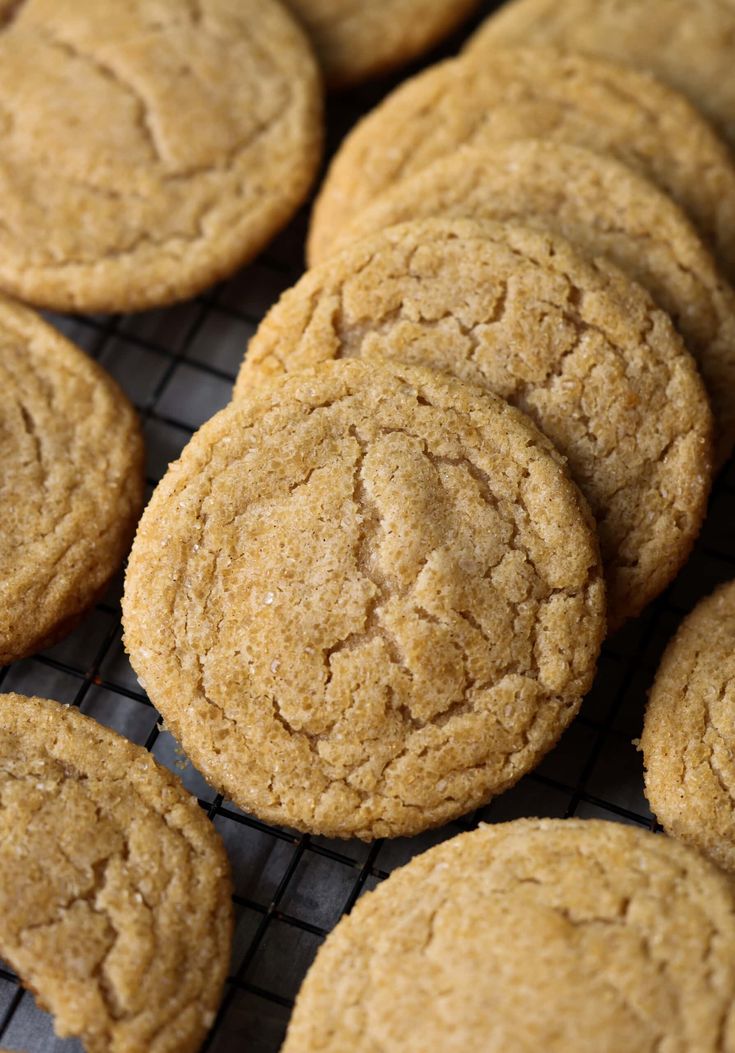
(688, 738)
(606, 210)
(355, 41)
(71, 486)
(546, 935)
(582, 350)
(115, 893)
(367, 601)
(149, 148)
(528, 93)
(687, 43)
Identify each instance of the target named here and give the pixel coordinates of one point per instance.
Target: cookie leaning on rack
(607, 211)
(527, 93)
(578, 347)
(687, 43)
(366, 602)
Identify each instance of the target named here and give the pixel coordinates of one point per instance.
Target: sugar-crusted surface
(148, 149)
(687, 43)
(355, 40)
(533, 92)
(606, 210)
(115, 903)
(536, 934)
(583, 351)
(366, 602)
(689, 731)
(71, 485)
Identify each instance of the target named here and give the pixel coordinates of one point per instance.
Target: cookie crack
(99, 871)
(711, 732)
(230, 165)
(364, 558)
(33, 434)
(108, 71)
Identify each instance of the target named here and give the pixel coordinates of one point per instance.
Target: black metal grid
(178, 366)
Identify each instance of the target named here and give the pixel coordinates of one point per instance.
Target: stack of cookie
(501, 939)
(369, 596)
(327, 610)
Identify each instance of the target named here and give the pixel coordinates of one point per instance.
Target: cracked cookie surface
(605, 210)
(367, 601)
(71, 485)
(527, 93)
(537, 934)
(581, 350)
(115, 903)
(687, 43)
(688, 739)
(148, 148)
(355, 40)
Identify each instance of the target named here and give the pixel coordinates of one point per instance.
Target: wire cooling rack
(178, 366)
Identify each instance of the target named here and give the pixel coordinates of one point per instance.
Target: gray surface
(178, 366)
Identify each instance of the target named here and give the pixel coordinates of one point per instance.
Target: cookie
(606, 210)
(526, 93)
(148, 149)
(357, 41)
(688, 736)
(115, 895)
(687, 43)
(71, 486)
(366, 602)
(554, 935)
(582, 351)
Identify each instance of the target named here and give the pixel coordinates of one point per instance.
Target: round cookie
(552, 935)
(71, 486)
(687, 43)
(115, 895)
(582, 351)
(367, 601)
(355, 41)
(527, 93)
(689, 731)
(606, 210)
(148, 149)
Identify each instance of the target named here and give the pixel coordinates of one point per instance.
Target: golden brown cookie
(581, 350)
(148, 148)
(606, 210)
(689, 734)
(687, 43)
(71, 485)
(366, 602)
(563, 936)
(526, 93)
(355, 41)
(115, 905)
